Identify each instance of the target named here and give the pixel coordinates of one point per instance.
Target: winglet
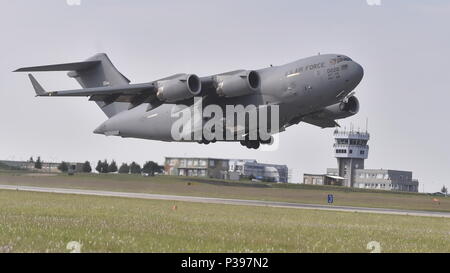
(37, 87)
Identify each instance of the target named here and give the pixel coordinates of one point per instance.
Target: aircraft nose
(358, 72)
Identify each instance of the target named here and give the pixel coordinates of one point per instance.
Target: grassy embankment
(45, 222)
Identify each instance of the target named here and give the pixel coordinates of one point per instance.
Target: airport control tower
(350, 149)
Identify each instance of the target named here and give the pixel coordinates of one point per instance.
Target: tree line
(149, 168)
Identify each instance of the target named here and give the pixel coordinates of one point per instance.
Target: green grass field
(226, 189)
(45, 222)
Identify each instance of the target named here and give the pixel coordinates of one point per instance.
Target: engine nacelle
(237, 84)
(178, 87)
(342, 109)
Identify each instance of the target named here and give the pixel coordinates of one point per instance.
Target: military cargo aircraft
(317, 90)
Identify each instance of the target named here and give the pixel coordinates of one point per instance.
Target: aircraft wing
(100, 90)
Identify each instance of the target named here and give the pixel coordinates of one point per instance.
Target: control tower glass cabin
(350, 149)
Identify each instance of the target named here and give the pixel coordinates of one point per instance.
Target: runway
(240, 202)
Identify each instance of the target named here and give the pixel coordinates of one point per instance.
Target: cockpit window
(339, 59)
(343, 59)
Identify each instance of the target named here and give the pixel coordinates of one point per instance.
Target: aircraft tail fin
(97, 71)
(101, 75)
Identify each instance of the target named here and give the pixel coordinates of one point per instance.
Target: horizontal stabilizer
(79, 66)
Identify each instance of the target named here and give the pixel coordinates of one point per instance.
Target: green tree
(112, 168)
(151, 168)
(38, 163)
(98, 168)
(444, 189)
(124, 168)
(135, 168)
(102, 167)
(31, 159)
(63, 167)
(87, 167)
(105, 166)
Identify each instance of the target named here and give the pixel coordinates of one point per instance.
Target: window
(183, 163)
(211, 163)
(361, 152)
(342, 59)
(342, 141)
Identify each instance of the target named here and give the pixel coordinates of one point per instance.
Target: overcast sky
(403, 46)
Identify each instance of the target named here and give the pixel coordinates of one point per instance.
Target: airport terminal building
(233, 169)
(351, 150)
(267, 172)
(193, 166)
(50, 167)
(382, 179)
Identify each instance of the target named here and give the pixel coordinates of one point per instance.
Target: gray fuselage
(299, 88)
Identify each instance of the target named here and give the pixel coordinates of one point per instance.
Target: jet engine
(178, 87)
(239, 83)
(343, 109)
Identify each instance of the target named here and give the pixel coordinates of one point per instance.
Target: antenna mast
(367, 124)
